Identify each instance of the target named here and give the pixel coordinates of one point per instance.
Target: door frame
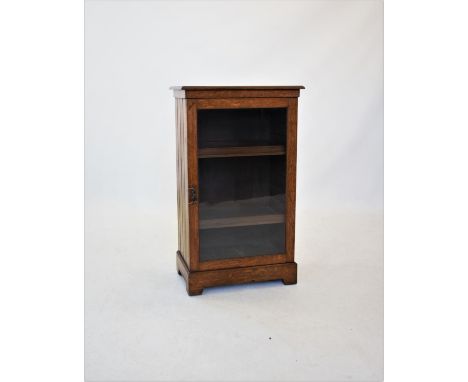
(193, 105)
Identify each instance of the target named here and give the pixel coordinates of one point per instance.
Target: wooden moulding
(291, 178)
(236, 91)
(197, 281)
(247, 87)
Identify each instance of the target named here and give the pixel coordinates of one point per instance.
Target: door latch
(192, 195)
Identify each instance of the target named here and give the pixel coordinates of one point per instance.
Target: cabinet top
(236, 87)
(236, 91)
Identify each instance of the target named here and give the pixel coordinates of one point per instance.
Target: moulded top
(237, 87)
(236, 91)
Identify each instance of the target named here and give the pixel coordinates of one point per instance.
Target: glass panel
(241, 127)
(242, 182)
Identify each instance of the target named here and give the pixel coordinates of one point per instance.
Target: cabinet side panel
(182, 181)
(178, 169)
(192, 162)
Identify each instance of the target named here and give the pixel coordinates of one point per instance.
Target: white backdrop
(140, 325)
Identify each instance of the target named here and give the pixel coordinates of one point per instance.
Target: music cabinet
(236, 184)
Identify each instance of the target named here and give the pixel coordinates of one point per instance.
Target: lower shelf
(237, 213)
(241, 221)
(197, 281)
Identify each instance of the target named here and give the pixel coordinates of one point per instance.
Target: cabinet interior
(242, 182)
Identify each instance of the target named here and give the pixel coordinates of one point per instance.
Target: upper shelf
(220, 152)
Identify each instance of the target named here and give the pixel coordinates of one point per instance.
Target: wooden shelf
(240, 213)
(246, 151)
(241, 221)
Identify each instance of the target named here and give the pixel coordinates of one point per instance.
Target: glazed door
(242, 185)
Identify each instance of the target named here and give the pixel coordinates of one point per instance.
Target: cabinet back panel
(241, 127)
(230, 243)
(223, 179)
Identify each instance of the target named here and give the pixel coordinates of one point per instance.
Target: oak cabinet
(236, 184)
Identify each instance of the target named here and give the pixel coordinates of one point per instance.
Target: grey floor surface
(140, 325)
